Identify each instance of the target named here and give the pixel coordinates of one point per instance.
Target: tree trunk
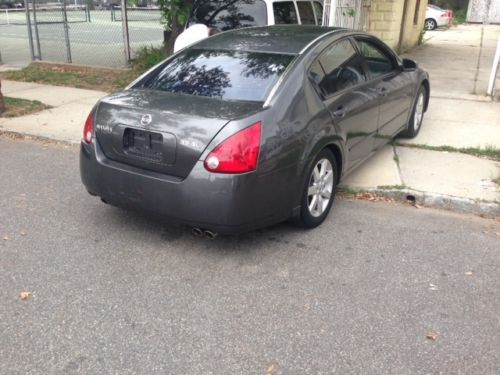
(2, 103)
(172, 36)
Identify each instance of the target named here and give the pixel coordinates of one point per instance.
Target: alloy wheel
(419, 112)
(320, 187)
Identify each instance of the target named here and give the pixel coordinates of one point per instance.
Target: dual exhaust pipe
(198, 232)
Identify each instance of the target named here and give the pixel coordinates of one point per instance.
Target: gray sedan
(251, 127)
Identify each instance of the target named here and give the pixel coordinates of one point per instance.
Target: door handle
(340, 112)
(381, 91)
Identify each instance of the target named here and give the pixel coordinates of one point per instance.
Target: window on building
(417, 12)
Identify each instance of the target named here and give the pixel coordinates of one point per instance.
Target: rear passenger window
(342, 66)
(377, 61)
(284, 12)
(318, 9)
(306, 13)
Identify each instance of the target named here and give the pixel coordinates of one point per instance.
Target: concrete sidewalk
(459, 116)
(63, 122)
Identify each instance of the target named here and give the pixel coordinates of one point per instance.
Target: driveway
(378, 288)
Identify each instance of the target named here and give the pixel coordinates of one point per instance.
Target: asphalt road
(116, 292)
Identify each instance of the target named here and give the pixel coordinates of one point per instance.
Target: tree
(175, 14)
(2, 102)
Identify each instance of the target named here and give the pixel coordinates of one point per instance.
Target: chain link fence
(77, 33)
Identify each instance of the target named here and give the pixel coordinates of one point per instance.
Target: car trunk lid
(161, 131)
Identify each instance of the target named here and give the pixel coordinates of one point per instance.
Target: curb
(33, 137)
(427, 199)
(435, 200)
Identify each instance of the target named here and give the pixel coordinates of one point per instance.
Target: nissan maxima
(251, 127)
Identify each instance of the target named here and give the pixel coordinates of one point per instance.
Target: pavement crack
(398, 168)
(476, 75)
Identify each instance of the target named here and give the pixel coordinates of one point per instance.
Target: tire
(430, 24)
(417, 116)
(321, 182)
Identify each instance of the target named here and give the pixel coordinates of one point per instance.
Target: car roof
(282, 39)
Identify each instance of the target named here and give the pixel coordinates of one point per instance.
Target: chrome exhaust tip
(197, 232)
(211, 235)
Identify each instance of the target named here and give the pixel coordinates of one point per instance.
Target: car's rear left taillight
(238, 153)
(88, 130)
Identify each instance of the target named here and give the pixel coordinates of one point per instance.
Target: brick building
(398, 22)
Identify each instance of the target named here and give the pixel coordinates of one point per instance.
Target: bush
(459, 17)
(147, 57)
(2, 102)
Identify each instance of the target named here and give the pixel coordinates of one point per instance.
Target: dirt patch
(85, 77)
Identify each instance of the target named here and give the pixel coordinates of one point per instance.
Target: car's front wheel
(430, 24)
(319, 191)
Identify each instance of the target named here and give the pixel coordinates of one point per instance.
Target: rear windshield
(227, 75)
(229, 14)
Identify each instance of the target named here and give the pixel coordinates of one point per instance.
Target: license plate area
(143, 145)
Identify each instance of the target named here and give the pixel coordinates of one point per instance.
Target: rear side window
(377, 61)
(342, 68)
(227, 75)
(284, 13)
(306, 13)
(228, 15)
(318, 8)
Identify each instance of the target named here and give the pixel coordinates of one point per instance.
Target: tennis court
(95, 37)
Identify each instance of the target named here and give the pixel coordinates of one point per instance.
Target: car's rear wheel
(319, 190)
(415, 123)
(430, 24)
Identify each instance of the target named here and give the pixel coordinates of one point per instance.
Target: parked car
(11, 4)
(251, 127)
(436, 17)
(211, 16)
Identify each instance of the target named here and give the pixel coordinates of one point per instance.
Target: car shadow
(278, 237)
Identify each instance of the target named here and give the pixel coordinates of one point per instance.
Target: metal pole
(494, 69)
(66, 32)
(28, 24)
(37, 37)
(126, 40)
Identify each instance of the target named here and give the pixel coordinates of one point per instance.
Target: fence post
(37, 37)
(28, 24)
(66, 32)
(126, 40)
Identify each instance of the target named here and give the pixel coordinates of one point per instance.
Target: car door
(341, 81)
(392, 86)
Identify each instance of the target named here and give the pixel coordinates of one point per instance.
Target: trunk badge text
(146, 119)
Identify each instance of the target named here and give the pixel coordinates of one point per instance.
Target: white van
(211, 16)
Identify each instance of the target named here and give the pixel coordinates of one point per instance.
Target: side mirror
(409, 65)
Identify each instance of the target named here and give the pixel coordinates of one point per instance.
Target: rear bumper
(442, 21)
(228, 204)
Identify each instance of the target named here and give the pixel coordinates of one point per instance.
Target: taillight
(238, 153)
(211, 31)
(88, 130)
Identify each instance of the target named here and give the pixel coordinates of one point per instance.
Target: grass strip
(490, 152)
(20, 107)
